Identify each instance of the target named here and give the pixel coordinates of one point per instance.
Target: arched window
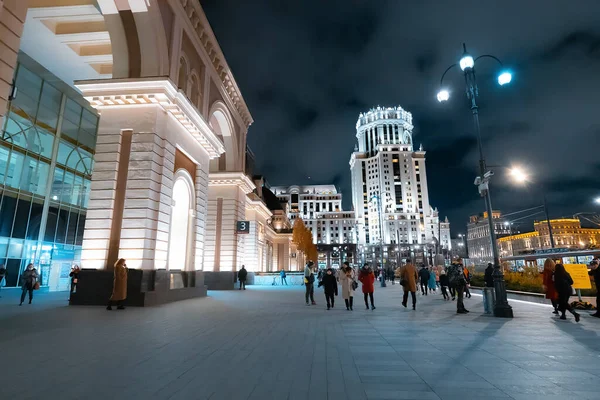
(183, 74)
(181, 220)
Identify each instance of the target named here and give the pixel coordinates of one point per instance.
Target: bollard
(488, 300)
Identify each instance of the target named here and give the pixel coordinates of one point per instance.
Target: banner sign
(579, 273)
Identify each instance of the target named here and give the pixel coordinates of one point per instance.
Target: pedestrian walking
(330, 287)
(2, 277)
(562, 283)
(444, 285)
(488, 276)
(74, 274)
(283, 277)
(432, 281)
(548, 283)
(29, 282)
(595, 273)
(242, 276)
(367, 278)
(408, 280)
(458, 281)
(468, 283)
(309, 283)
(424, 279)
(348, 280)
(119, 293)
(437, 276)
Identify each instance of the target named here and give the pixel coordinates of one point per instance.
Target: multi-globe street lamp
(521, 177)
(467, 65)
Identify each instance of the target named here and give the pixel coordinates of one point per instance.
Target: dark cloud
(584, 41)
(308, 68)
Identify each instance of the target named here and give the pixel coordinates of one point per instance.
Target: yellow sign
(579, 273)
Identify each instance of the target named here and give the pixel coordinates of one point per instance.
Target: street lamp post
(467, 65)
(380, 237)
(521, 177)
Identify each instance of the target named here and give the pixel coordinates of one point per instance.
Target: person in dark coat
(29, 277)
(367, 278)
(242, 275)
(424, 279)
(330, 287)
(595, 273)
(444, 284)
(489, 275)
(563, 282)
(74, 274)
(119, 293)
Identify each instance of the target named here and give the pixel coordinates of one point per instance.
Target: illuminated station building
(123, 134)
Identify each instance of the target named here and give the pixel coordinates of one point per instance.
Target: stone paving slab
(264, 343)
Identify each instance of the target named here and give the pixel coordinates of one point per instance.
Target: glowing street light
(467, 60)
(443, 95)
(521, 177)
(504, 78)
(518, 175)
(597, 200)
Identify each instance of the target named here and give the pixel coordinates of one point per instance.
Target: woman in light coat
(347, 277)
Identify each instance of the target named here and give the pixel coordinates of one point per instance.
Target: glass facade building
(46, 159)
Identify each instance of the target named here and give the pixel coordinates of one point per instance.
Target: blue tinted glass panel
(66, 153)
(4, 154)
(89, 122)
(15, 169)
(57, 184)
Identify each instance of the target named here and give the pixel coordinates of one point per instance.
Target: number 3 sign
(243, 227)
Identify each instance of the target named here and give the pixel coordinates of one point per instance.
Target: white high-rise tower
(389, 185)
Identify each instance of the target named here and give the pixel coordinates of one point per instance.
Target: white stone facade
(320, 207)
(389, 180)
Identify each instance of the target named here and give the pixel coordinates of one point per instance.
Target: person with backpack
(563, 282)
(367, 278)
(424, 279)
(309, 282)
(458, 281)
(330, 287)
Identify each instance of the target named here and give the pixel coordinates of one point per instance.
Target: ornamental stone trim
(201, 26)
(103, 94)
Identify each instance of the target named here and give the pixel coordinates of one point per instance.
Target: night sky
(308, 68)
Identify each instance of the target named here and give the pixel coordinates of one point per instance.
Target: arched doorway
(181, 221)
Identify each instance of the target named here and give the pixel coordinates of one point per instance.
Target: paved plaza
(264, 343)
